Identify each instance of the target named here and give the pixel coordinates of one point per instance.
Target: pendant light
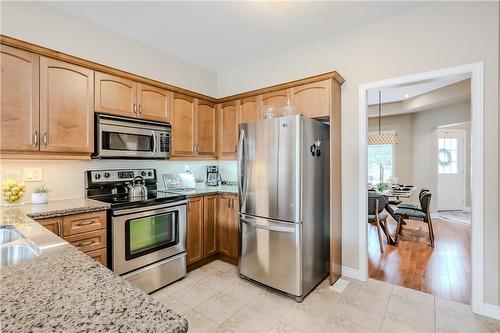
(381, 139)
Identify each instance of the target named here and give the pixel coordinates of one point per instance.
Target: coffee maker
(213, 176)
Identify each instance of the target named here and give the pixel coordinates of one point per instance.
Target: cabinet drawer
(98, 255)
(88, 241)
(76, 224)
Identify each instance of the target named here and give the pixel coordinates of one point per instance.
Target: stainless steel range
(146, 232)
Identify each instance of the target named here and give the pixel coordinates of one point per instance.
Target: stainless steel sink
(14, 247)
(8, 234)
(15, 253)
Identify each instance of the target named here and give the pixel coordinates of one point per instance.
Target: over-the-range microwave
(120, 137)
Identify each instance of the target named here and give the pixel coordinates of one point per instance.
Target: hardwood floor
(444, 271)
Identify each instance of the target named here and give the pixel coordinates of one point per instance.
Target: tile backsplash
(65, 179)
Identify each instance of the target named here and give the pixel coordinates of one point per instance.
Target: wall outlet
(186, 169)
(32, 174)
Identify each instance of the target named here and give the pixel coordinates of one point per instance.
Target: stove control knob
(150, 174)
(106, 175)
(97, 176)
(143, 173)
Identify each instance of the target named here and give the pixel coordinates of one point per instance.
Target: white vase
(39, 198)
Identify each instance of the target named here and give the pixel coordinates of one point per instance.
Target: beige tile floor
(214, 299)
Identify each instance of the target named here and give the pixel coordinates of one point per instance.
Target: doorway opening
(421, 223)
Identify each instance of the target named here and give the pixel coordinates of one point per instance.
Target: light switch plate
(32, 174)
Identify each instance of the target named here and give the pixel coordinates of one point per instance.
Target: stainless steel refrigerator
(283, 171)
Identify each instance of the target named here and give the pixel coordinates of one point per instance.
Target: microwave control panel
(164, 143)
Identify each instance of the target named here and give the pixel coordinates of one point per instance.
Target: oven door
(142, 236)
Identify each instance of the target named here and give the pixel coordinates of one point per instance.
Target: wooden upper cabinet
(19, 115)
(206, 129)
(115, 95)
(66, 107)
(152, 103)
(249, 109)
(313, 99)
(194, 243)
(278, 98)
(209, 225)
(228, 130)
(183, 121)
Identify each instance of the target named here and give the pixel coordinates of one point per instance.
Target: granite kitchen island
(64, 290)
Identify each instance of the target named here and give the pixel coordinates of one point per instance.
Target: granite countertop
(67, 291)
(63, 207)
(206, 190)
(64, 290)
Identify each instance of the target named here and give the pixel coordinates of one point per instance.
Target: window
(380, 163)
(447, 156)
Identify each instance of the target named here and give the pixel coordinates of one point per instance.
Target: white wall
(439, 35)
(66, 179)
(47, 26)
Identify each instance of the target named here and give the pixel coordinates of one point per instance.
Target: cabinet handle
(197, 148)
(189, 207)
(44, 139)
(135, 109)
(89, 242)
(35, 138)
(59, 231)
(140, 109)
(85, 223)
(235, 148)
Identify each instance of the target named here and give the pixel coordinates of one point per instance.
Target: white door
(450, 169)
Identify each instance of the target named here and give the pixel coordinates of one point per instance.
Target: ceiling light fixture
(381, 139)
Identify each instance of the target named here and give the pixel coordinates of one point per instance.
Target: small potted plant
(40, 195)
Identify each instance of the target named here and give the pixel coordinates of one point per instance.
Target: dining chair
(376, 204)
(424, 214)
(410, 206)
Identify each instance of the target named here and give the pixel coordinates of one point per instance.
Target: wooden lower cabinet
(194, 232)
(86, 232)
(209, 225)
(227, 225)
(212, 228)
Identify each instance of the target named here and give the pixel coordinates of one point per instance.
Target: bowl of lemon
(13, 191)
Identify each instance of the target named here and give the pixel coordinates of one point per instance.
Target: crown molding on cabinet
(27, 46)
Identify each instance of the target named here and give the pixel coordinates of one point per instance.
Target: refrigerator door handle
(271, 226)
(241, 169)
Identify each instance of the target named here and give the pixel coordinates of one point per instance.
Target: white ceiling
(216, 35)
(401, 93)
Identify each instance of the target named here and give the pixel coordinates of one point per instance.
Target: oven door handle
(146, 209)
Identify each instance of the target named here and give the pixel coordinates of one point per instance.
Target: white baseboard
(352, 273)
(492, 311)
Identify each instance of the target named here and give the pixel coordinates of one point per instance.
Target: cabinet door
(115, 95)
(234, 226)
(183, 120)
(206, 128)
(249, 109)
(66, 115)
(19, 100)
(228, 130)
(153, 103)
(209, 225)
(313, 99)
(227, 225)
(194, 244)
(278, 98)
(54, 224)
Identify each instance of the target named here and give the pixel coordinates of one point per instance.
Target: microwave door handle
(154, 143)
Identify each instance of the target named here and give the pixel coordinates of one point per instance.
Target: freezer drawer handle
(268, 227)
